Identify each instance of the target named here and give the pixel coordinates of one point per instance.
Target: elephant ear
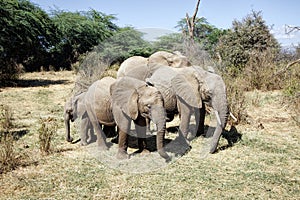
(187, 88)
(125, 96)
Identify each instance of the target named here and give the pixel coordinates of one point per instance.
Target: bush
(46, 132)
(236, 98)
(8, 156)
(5, 118)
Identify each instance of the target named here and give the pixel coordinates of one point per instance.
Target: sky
(164, 14)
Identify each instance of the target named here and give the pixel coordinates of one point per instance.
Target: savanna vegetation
(43, 55)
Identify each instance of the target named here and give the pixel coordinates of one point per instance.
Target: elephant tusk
(218, 118)
(233, 117)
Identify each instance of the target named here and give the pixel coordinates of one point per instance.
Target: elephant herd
(155, 88)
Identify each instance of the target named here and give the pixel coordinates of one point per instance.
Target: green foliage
(79, 32)
(125, 43)
(46, 133)
(248, 36)
(27, 34)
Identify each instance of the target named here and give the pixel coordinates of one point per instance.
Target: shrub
(8, 155)
(236, 98)
(5, 118)
(260, 71)
(46, 132)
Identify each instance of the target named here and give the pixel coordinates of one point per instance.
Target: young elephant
(136, 100)
(98, 106)
(74, 109)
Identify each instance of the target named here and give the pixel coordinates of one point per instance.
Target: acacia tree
(245, 38)
(26, 34)
(79, 32)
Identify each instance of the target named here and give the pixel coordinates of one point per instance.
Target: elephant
(94, 109)
(75, 108)
(175, 59)
(130, 64)
(135, 100)
(189, 90)
(141, 68)
(98, 104)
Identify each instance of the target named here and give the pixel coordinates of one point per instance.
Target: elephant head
(74, 108)
(163, 58)
(197, 87)
(132, 64)
(136, 100)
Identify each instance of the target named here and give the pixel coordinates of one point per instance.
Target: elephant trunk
(222, 112)
(67, 125)
(159, 118)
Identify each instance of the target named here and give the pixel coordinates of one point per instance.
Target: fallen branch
(287, 67)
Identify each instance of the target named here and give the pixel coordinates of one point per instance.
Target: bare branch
(287, 67)
(191, 21)
(289, 29)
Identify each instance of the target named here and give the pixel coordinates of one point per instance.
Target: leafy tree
(27, 33)
(125, 43)
(170, 42)
(244, 39)
(79, 32)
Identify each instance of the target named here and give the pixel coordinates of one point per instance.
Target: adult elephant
(175, 59)
(187, 91)
(75, 109)
(135, 100)
(141, 68)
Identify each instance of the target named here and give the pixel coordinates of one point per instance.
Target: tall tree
(244, 38)
(79, 33)
(27, 32)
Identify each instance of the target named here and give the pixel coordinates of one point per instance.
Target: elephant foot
(122, 155)
(164, 155)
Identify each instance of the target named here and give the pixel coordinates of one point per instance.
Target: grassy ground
(263, 165)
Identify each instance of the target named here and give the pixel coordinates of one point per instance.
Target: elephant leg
(84, 130)
(148, 125)
(97, 128)
(200, 118)
(140, 127)
(185, 116)
(90, 134)
(123, 144)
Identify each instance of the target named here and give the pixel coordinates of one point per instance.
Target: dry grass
(263, 165)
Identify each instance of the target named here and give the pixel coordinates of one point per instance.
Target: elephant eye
(149, 106)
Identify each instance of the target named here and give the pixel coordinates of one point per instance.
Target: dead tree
(191, 21)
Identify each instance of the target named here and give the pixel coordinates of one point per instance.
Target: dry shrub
(46, 133)
(236, 98)
(91, 69)
(260, 71)
(10, 158)
(5, 118)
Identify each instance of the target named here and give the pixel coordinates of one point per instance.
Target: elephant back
(131, 64)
